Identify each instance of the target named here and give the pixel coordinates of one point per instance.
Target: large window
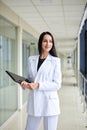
(83, 50)
(28, 48)
(83, 56)
(86, 51)
(8, 61)
(25, 54)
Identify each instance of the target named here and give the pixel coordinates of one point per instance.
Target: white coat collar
(37, 58)
(49, 57)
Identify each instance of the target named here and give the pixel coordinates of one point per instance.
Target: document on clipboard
(17, 78)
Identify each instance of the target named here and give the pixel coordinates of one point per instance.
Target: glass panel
(25, 58)
(28, 48)
(8, 61)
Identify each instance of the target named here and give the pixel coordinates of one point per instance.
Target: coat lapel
(34, 64)
(42, 67)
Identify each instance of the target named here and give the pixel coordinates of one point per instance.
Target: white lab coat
(44, 101)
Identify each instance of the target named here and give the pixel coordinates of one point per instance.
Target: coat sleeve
(55, 84)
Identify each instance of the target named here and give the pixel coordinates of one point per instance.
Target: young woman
(45, 72)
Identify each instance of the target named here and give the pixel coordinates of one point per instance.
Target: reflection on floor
(71, 117)
(17, 121)
(5, 114)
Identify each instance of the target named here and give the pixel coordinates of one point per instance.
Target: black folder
(16, 77)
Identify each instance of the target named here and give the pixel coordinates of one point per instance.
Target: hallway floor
(71, 117)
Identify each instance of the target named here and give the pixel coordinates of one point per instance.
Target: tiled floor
(71, 117)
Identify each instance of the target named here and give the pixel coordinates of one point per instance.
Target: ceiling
(61, 17)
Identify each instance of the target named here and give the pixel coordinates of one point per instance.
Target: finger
(32, 87)
(22, 82)
(29, 86)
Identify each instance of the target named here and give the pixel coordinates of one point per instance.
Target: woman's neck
(44, 55)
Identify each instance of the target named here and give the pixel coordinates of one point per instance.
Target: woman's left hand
(34, 85)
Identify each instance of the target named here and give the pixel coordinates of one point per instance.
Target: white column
(19, 63)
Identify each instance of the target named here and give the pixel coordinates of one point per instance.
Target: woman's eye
(47, 41)
(44, 40)
(50, 41)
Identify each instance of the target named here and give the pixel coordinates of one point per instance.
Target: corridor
(21, 23)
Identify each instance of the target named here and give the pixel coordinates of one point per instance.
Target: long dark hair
(53, 50)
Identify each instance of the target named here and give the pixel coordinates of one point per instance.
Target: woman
(45, 72)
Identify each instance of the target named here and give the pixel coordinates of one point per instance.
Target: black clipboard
(17, 78)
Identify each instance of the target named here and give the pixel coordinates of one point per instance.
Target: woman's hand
(25, 84)
(31, 86)
(34, 85)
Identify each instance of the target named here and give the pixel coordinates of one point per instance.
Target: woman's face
(47, 43)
